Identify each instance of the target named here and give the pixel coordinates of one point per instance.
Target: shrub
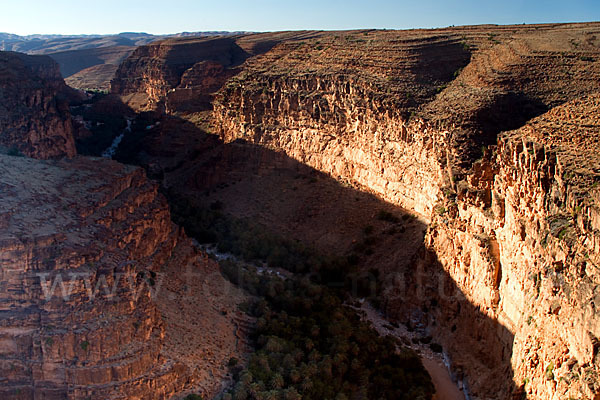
(436, 348)
(15, 152)
(367, 230)
(550, 371)
(387, 216)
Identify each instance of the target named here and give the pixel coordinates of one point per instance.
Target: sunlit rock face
(486, 133)
(34, 112)
(521, 241)
(508, 275)
(94, 293)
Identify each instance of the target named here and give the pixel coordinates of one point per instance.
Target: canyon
(101, 294)
(455, 166)
(506, 278)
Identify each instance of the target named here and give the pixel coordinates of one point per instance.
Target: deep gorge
(443, 166)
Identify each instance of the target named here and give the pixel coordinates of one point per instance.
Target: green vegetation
(441, 88)
(97, 91)
(250, 241)
(550, 371)
(129, 148)
(104, 128)
(254, 243)
(387, 216)
(309, 343)
(563, 233)
(15, 152)
(492, 38)
(85, 345)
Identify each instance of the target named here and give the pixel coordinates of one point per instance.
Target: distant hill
(88, 61)
(46, 44)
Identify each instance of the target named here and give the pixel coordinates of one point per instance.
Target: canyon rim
(435, 191)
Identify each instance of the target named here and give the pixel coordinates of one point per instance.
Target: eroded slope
(140, 313)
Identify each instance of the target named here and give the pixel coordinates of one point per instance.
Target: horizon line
(303, 29)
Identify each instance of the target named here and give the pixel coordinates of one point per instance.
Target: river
(112, 149)
(434, 363)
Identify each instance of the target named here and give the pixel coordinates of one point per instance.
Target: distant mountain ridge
(89, 61)
(46, 44)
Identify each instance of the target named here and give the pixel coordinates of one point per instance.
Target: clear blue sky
(112, 16)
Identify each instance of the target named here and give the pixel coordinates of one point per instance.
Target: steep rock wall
(338, 126)
(181, 75)
(158, 68)
(34, 114)
(517, 243)
(404, 115)
(508, 300)
(521, 241)
(87, 254)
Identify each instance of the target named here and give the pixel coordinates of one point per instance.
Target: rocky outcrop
(521, 243)
(182, 75)
(34, 113)
(159, 67)
(101, 295)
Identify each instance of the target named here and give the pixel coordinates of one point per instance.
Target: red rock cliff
(94, 296)
(383, 110)
(508, 273)
(34, 114)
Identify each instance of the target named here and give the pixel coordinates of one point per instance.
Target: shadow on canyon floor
(384, 241)
(291, 200)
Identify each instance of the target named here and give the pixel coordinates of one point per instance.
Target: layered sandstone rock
(530, 231)
(477, 278)
(34, 114)
(159, 67)
(95, 295)
(181, 75)
(507, 276)
(347, 104)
